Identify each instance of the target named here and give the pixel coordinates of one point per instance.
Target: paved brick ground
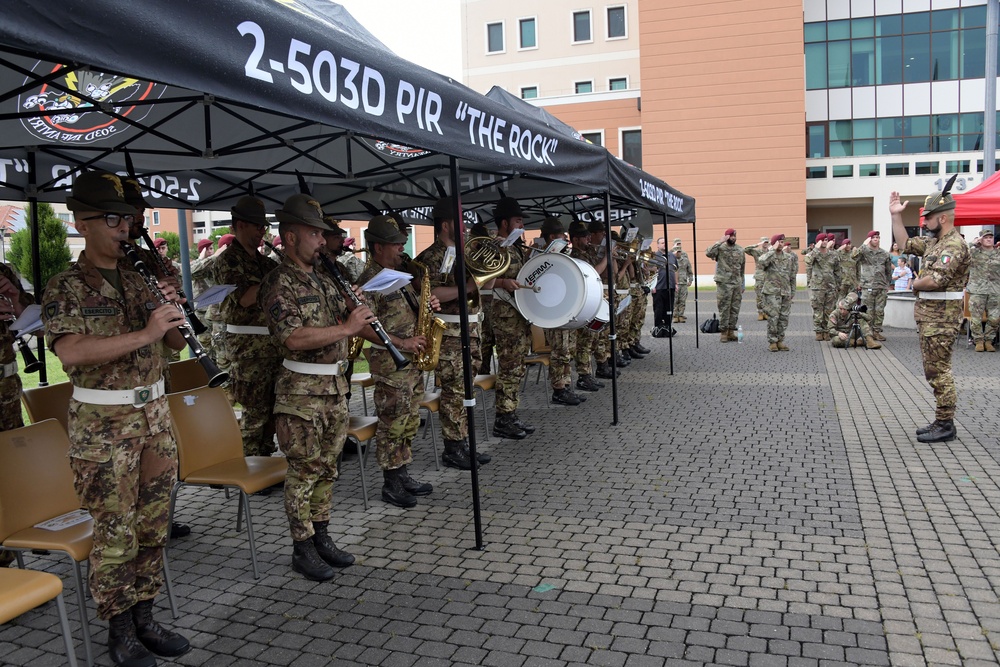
(752, 509)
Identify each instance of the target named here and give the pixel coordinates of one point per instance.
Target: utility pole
(990, 116)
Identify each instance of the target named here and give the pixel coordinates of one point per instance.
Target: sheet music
(387, 281)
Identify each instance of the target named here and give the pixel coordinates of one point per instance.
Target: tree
(53, 251)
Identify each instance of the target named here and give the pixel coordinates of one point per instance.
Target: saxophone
(430, 327)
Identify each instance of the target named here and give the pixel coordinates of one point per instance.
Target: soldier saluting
(939, 290)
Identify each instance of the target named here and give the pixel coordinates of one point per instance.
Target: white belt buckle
(342, 366)
(141, 396)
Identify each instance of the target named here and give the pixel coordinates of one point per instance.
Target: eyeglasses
(113, 219)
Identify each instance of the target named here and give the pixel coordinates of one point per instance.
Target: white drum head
(568, 295)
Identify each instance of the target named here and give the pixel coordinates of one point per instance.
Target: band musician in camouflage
(939, 289)
(106, 327)
(449, 371)
(308, 316)
(397, 391)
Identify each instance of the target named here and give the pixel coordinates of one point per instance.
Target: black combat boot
(179, 530)
(623, 361)
(123, 645)
(481, 457)
(636, 354)
(393, 491)
(455, 455)
(504, 427)
(925, 429)
(523, 425)
(942, 430)
(638, 347)
(606, 371)
(565, 397)
(307, 562)
(325, 547)
(154, 636)
(587, 383)
(413, 486)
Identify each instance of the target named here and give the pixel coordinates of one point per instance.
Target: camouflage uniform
(637, 309)
(397, 392)
(10, 384)
(840, 321)
(730, 265)
(563, 344)
(875, 276)
(805, 253)
(213, 315)
(685, 278)
(756, 251)
(777, 292)
(847, 269)
(254, 358)
(124, 458)
(586, 340)
(201, 280)
(822, 266)
(793, 272)
(513, 337)
(984, 293)
(945, 260)
(311, 414)
(454, 420)
(351, 266)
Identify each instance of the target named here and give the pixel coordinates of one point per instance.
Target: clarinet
(216, 376)
(397, 356)
(196, 324)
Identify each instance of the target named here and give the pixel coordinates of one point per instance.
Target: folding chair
(186, 375)
(210, 453)
(363, 381)
(24, 590)
(432, 404)
(363, 429)
(36, 484)
(51, 402)
(541, 355)
(483, 384)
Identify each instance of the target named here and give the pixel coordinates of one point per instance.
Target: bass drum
(602, 318)
(564, 293)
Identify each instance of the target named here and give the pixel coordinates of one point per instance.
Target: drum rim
(586, 271)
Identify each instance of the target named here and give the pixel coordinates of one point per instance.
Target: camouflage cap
(99, 191)
(986, 231)
(937, 203)
(552, 225)
(677, 241)
(133, 194)
(250, 209)
(444, 209)
(578, 229)
(384, 229)
(302, 209)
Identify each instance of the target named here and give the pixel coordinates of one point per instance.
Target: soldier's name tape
(138, 396)
(305, 368)
(8, 370)
(252, 331)
(457, 319)
(942, 296)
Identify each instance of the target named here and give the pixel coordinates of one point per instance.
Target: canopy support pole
(611, 310)
(463, 312)
(694, 253)
(670, 323)
(36, 257)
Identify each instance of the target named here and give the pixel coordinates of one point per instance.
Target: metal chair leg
(239, 512)
(81, 600)
(434, 442)
(67, 639)
(245, 500)
(166, 567)
(362, 459)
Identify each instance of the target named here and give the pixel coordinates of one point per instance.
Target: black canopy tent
(294, 87)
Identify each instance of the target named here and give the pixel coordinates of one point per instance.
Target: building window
(584, 87)
(596, 138)
(618, 84)
(156, 218)
(494, 38)
(581, 27)
(526, 34)
(902, 135)
(617, 25)
(529, 92)
(632, 147)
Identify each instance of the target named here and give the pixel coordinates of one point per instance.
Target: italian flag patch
(945, 259)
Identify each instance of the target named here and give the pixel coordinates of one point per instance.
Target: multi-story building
(793, 116)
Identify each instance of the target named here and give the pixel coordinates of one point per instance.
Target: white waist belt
(457, 319)
(942, 296)
(486, 292)
(621, 291)
(315, 369)
(138, 396)
(253, 331)
(8, 370)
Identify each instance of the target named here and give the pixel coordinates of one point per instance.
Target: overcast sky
(427, 32)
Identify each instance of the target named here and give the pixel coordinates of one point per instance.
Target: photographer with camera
(940, 293)
(850, 324)
(984, 291)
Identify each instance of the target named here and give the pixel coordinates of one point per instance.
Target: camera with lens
(858, 307)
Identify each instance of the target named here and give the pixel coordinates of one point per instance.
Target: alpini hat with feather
(940, 201)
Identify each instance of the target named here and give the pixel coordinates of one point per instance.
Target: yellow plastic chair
(51, 402)
(210, 453)
(36, 484)
(24, 590)
(186, 375)
(432, 404)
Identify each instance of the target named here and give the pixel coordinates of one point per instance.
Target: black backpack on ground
(710, 326)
